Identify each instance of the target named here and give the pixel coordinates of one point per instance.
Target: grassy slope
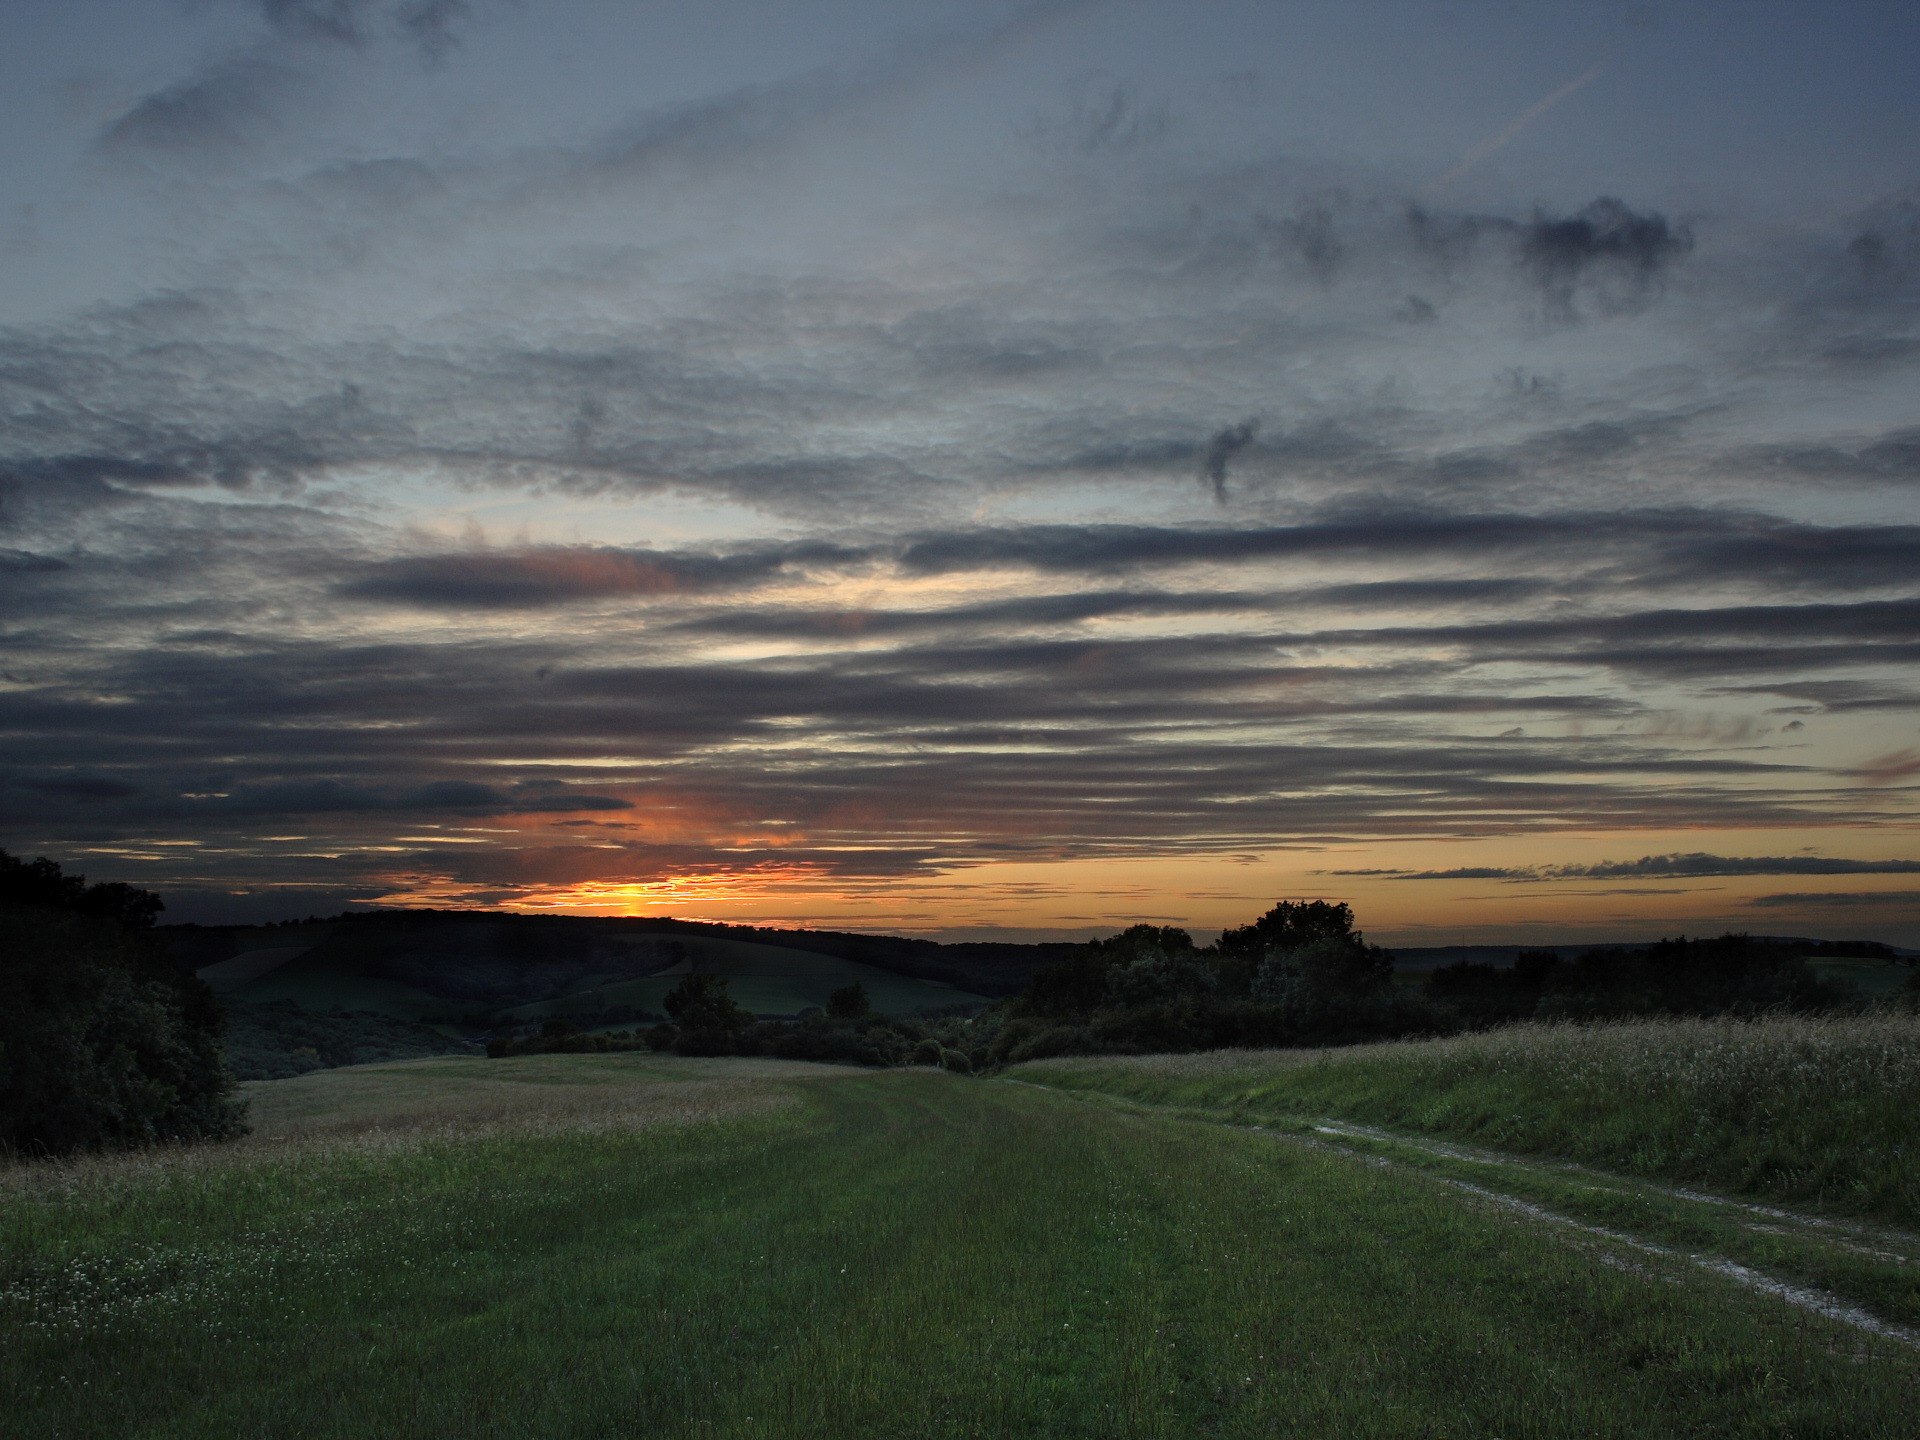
(1822, 1111)
(586, 1245)
(326, 976)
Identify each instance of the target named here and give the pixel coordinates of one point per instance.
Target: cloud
(1665, 867)
(1224, 445)
(1606, 250)
(1892, 767)
(321, 796)
(223, 112)
(881, 428)
(559, 574)
(239, 102)
(1840, 900)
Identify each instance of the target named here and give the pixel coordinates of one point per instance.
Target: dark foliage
(1300, 974)
(102, 1042)
(710, 1020)
(41, 885)
(849, 1002)
(1730, 975)
(1290, 925)
(278, 1039)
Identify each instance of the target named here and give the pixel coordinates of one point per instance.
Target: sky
(981, 470)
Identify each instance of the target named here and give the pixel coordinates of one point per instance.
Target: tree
(41, 885)
(1334, 985)
(102, 1041)
(709, 1021)
(1289, 925)
(849, 1002)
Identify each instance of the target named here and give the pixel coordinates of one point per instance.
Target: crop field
(624, 1244)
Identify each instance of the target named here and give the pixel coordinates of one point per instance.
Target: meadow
(588, 1245)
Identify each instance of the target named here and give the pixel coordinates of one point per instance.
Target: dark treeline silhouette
(102, 1041)
(1302, 975)
(1733, 974)
(1299, 975)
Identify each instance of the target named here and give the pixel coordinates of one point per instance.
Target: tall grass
(1814, 1110)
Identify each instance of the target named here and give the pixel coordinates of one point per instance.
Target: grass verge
(1810, 1111)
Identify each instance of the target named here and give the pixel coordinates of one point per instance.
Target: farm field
(587, 1245)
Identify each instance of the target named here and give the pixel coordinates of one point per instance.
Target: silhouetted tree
(849, 1002)
(102, 1041)
(706, 1014)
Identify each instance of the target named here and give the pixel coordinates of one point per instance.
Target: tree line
(1301, 974)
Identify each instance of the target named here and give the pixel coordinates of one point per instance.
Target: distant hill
(479, 969)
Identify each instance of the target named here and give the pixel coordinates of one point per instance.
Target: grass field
(614, 1245)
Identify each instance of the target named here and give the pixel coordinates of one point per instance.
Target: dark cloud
(433, 25)
(1841, 900)
(1892, 458)
(83, 787)
(1838, 696)
(1108, 548)
(25, 562)
(1647, 548)
(224, 112)
(1224, 445)
(321, 796)
(1606, 250)
(1663, 867)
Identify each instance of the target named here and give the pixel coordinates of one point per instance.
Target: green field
(625, 1244)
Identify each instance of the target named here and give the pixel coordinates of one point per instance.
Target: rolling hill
(480, 971)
